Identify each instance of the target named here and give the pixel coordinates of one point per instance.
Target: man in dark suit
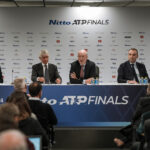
(43, 111)
(82, 70)
(1, 77)
(147, 134)
(142, 107)
(131, 71)
(45, 72)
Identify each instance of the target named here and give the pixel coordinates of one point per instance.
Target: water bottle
(96, 81)
(141, 80)
(25, 79)
(145, 81)
(92, 81)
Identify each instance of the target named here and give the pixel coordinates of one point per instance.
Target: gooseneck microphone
(12, 76)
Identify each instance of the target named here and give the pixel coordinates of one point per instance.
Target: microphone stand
(12, 76)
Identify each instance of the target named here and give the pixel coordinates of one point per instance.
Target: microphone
(12, 76)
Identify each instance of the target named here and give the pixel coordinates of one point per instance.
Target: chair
(97, 72)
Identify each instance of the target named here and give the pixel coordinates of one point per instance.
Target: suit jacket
(142, 107)
(44, 112)
(125, 72)
(1, 77)
(89, 71)
(30, 127)
(37, 71)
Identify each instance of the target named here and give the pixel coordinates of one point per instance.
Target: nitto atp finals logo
(80, 22)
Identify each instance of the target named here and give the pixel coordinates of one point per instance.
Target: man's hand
(58, 81)
(88, 81)
(73, 75)
(41, 79)
(132, 82)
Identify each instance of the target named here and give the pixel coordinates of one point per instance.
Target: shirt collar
(133, 63)
(44, 65)
(34, 98)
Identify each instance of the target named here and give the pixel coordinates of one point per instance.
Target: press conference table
(89, 105)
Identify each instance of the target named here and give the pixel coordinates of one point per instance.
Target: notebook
(36, 140)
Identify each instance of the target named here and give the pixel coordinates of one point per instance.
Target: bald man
(12, 140)
(82, 70)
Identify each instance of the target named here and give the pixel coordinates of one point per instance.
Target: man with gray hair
(45, 72)
(20, 85)
(12, 140)
(9, 116)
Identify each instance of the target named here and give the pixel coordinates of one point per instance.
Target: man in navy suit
(82, 70)
(131, 71)
(45, 72)
(1, 77)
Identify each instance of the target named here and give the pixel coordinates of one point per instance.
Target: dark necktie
(134, 73)
(46, 75)
(82, 72)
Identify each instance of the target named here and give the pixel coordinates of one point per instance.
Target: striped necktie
(134, 73)
(82, 72)
(46, 75)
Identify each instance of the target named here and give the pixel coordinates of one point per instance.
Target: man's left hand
(58, 81)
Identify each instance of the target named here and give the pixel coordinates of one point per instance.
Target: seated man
(8, 116)
(13, 140)
(43, 111)
(147, 133)
(20, 86)
(131, 71)
(9, 119)
(1, 77)
(142, 107)
(45, 72)
(82, 69)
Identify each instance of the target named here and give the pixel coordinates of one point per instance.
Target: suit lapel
(78, 68)
(41, 70)
(129, 67)
(86, 68)
(49, 70)
(138, 66)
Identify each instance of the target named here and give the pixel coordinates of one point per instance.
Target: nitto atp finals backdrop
(106, 33)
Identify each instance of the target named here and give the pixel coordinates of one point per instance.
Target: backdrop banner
(106, 33)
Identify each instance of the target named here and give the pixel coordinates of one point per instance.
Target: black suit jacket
(30, 127)
(89, 71)
(125, 72)
(37, 71)
(142, 107)
(1, 77)
(44, 113)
